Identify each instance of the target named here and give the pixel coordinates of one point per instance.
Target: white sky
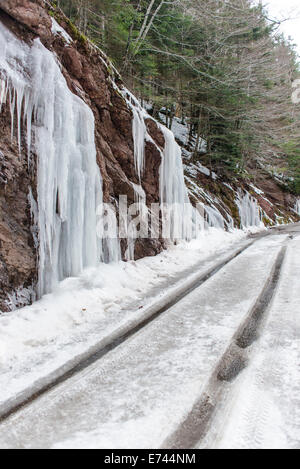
(282, 9)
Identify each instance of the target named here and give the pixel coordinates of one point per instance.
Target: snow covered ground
(38, 339)
(137, 394)
(263, 410)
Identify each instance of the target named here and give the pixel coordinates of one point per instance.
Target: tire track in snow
(261, 411)
(196, 424)
(86, 359)
(258, 415)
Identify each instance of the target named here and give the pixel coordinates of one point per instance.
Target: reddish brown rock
(72, 61)
(151, 173)
(155, 132)
(30, 13)
(18, 257)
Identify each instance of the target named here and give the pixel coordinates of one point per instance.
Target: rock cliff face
(90, 76)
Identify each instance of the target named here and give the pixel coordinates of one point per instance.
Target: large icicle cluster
(249, 210)
(214, 217)
(181, 218)
(69, 181)
(139, 132)
(173, 191)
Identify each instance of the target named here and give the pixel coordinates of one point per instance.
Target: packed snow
(262, 410)
(140, 392)
(193, 169)
(37, 339)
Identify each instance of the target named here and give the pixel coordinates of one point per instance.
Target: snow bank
(84, 309)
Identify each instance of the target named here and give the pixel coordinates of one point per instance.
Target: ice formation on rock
(61, 127)
(182, 221)
(249, 210)
(139, 131)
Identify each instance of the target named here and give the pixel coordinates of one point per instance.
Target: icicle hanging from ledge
(69, 180)
(173, 191)
(183, 221)
(139, 131)
(249, 210)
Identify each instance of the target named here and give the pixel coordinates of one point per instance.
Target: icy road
(218, 369)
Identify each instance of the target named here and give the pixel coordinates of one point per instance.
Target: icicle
(173, 191)
(69, 181)
(249, 210)
(142, 212)
(139, 131)
(20, 96)
(229, 222)
(3, 93)
(182, 220)
(215, 219)
(297, 207)
(12, 103)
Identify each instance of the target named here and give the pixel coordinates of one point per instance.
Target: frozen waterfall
(139, 131)
(214, 217)
(249, 210)
(174, 199)
(61, 127)
(181, 220)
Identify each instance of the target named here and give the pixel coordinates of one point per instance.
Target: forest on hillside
(222, 67)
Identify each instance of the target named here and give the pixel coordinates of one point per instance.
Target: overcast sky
(287, 9)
